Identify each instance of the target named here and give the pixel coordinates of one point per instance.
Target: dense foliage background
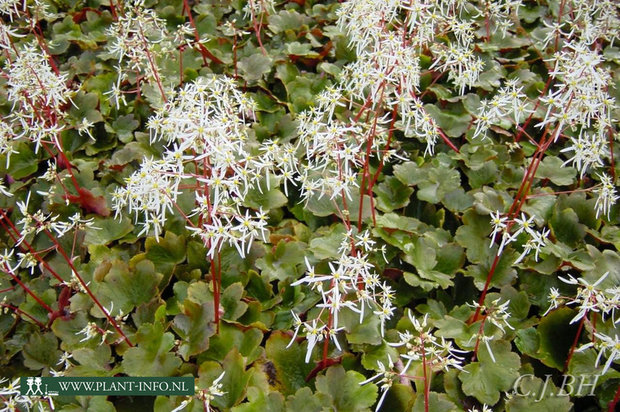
(312, 205)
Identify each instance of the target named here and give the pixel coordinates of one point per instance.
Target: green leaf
(67, 330)
(298, 49)
(253, 67)
(290, 368)
(151, 356)
(345, 390)
(552, 168)
(90, 403)
(267, 199)
(533, 393)
(437, 402)
(454, 122)
(195, 327)
(124, 126)
(423, 256)
(556, 336)
(392, 194)
(503, 275)
(41, 351)
(434, 180)
(167, 252)
(85, 107)
(565, 226)
(129, 287)
(93, 362)
(106, 230)
(283, 262)
(305, 401)
(327, 241)
(246, 341)
(23, 163)
(234, 382)
(260, 401)
(287, 20)
(488, 377)
(231, 302)
(368, 331)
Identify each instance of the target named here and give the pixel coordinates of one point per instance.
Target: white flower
(606, 196)
(314, 335)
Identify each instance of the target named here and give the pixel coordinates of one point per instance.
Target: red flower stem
(612, 167)
(480, 331)
(18, 311)
(4, 220)
(152, 64)
(575, 341)
(427, 385)
(365, 172)
(60, 250)
(614, 402)
(483, 295)
(9, 271)
(446, 139)
(529, 119)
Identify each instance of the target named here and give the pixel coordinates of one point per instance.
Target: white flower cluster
(591, 297)
(606, 196)
(210, 151)
(39, 96)
(11, 8)
(351, 284)
(333, 150)
(580, 97)
(420, 346)
(494, 318)
(205, 395)
(40, 222)
(255, 8)
(509, 104)
(138, 39)
(502, 225)
(606, 346)
(388, 48)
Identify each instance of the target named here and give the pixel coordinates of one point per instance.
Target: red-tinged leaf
(89, 202)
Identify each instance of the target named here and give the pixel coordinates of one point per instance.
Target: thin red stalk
(575, 341)
(486, 288)
(518, 202)
(446, 139)
(153, 67)
(365, 171)
(329, 326)
(480, 331)
(426, 380)
(9, 271)
(4, 220)
(612, 404)
(257, 30)
(529, 119)
(611, 154)
(215, 279)
(21, 312)
(61, 250)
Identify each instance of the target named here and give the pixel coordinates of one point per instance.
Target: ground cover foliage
(312, 205)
